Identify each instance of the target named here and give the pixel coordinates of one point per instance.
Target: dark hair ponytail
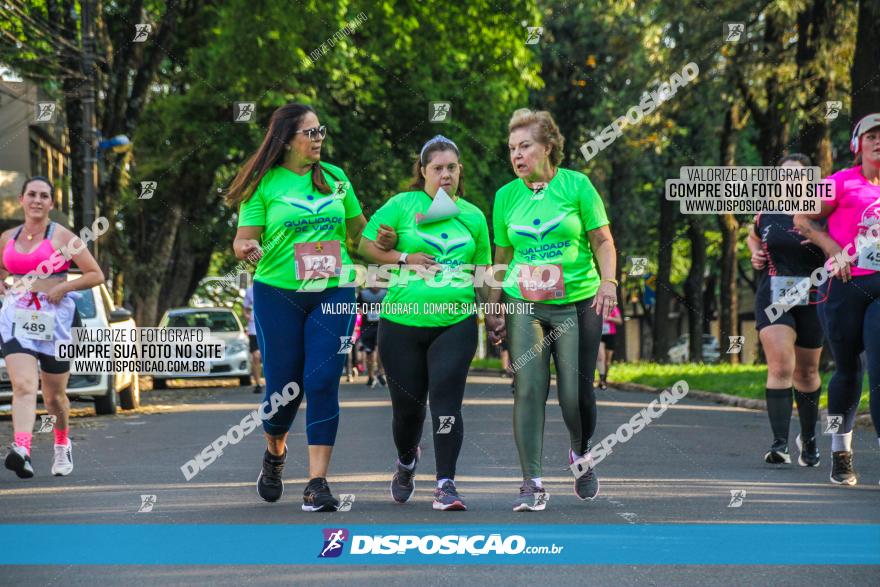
(283, 125)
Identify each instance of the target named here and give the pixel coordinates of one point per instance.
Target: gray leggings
(571, 334)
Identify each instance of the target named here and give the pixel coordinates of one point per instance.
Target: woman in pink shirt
(851, 312)
(607, 344)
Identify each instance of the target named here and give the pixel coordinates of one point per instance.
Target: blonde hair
(544, 130)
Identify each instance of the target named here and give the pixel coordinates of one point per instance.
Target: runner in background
(851, 312)
(32, 321)
(607, 345)
(254, 347)
(793, 342)
(370, 303)
(352, 365)
(550, 225)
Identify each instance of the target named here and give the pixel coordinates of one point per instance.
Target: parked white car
(680, 350)
(225, 326)
(109, 391)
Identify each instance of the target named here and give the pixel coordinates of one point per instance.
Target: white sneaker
(63, 463)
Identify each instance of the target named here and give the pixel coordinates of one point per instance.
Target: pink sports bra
(23, 263)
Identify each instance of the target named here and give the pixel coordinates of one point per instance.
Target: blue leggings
(851, 318)
(300, 342)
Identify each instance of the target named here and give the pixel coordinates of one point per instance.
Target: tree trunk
(865, 81)
(693, 287)
(728, 302)
(816, 33)
(662, 326)
(147, 276)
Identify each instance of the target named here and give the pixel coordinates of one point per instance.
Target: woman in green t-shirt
(550, 227)
(427, 329)
(303, 210)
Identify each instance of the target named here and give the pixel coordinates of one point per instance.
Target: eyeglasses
(320, 131)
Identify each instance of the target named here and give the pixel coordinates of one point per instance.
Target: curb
(728, 400)
(712, 396)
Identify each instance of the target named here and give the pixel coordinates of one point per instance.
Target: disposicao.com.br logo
(453, 544)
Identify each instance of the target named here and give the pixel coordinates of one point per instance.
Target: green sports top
(454, 243)
(292, 211)
(551, 228)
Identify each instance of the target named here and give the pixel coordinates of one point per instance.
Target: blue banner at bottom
(655, 544)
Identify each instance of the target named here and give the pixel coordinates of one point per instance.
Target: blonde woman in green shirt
(551, 231)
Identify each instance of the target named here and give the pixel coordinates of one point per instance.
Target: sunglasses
(314, 133)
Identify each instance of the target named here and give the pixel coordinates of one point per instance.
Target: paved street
(680, 469)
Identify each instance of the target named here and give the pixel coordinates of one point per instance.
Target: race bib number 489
(36, 325)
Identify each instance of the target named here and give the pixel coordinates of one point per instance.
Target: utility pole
(88, 112)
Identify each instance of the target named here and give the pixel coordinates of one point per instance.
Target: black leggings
(851, 319)
(428, 364)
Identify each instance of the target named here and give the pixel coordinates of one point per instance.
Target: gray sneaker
(586, 483)
(403, 483)
(532, 497)
(446, 498)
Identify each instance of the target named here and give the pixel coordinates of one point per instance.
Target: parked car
(225, 326)
(109, 391)
(680, 350)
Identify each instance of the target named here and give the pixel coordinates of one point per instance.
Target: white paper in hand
(441, 208)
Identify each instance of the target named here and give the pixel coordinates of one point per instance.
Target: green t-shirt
(551, 228)
(293, 211)
(456, 243)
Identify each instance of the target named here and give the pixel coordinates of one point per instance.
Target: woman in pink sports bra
(33, 316)
(851, 312)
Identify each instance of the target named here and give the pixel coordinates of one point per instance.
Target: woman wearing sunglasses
(307, 209)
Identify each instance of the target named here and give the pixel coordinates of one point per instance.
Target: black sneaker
(382, 381)
(370, 382)
(258, 388)
(842, 472)
(778, 454)
(403, 482)
(19, 460)
(809, 456)
(269, 483)
(317, 497)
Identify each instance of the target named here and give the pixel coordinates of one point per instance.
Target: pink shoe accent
(23, 439)
(61, 437)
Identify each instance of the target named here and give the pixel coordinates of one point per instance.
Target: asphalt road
(680, 469)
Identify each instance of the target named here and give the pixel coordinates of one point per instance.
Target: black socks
(779, 402)
(808, 411)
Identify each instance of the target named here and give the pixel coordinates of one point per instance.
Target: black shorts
(48, 363)
(252, 343)
(804, 320)
(609, 339)
(369, 336)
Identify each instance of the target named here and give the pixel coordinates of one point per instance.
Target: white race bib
(781, 285)
(34, 324)
(869, 257)
(606, 328)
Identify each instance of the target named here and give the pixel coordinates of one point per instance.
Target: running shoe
(269, 483)
(317, 497)
(586, 486)
(778, 454)
(842, 472)
(809, 456)
(371, 383)
(446, 498)
(382, 381)
(63, 463)
(532, 497)
(603, 384)
(19, 460)
(258, 388)
(403, 483)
